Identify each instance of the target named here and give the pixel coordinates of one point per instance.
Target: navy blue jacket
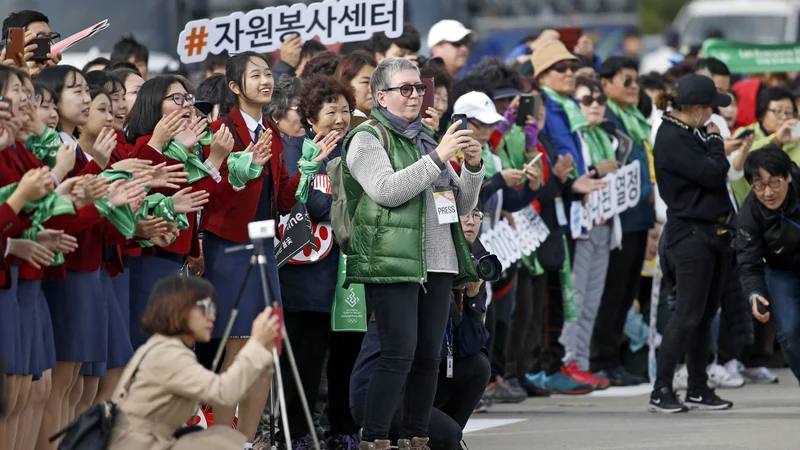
(468, 333)
(310, 287)
(513, 199)
(642, 217)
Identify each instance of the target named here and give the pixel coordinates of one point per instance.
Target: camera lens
(488, 267)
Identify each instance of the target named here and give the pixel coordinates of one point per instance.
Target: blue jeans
(784, 289)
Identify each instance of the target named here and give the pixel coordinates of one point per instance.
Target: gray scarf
(424, 142)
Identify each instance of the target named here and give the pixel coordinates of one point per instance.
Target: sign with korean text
(623, 191)
(742, 57)
(510, 244)
(263, 30)
(296, 235)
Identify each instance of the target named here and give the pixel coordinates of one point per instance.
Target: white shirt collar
(69, 139)
(252, 123)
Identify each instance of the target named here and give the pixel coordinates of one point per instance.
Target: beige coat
(168, 385)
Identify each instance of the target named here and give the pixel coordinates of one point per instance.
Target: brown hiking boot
(416, 443)
(377, 445)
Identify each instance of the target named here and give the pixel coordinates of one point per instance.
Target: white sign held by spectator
(622, 192)
(510, 244)
(264, 30)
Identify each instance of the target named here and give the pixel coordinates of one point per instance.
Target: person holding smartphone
(691, 171)
(407, 246)
(767, 245)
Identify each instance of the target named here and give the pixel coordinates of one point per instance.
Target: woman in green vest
(407, 246)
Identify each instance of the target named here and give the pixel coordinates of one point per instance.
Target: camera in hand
(487, 265)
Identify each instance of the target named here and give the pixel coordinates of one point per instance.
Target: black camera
(487, 265)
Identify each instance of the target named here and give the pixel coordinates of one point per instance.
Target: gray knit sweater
(370, 166)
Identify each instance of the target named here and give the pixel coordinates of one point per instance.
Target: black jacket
(767, 238)
(551, 252)
(691, 174)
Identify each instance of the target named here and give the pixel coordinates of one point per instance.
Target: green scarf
(633, 120)
(599, 144)
(45, 147)
(241, 169)
(49, 206)
(307, 168)
(571, 109)
(489, 164)
(121, 217)
(191, 162)
(161, 206)
(512, 149)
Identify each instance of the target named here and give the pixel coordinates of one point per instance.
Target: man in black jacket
(768, 244)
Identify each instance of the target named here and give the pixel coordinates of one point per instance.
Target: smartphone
(16, 44)
(463, 119)
(427, 99)
(796, 131)
(42, 49)
(744, 134)
(6, 101)
(569, 36)
(525, 109)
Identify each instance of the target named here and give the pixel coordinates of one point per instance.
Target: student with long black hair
(163, 128)
(77, 304)
(272, 191)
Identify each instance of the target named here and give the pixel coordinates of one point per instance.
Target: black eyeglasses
(773, 183)
(587, 100)
(180, 99)
(208, 305)
(54, 37)
(407, 89)
(563, 66)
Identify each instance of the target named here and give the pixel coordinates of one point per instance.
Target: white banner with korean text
(510, 244)
(622, 192)
(264, 30)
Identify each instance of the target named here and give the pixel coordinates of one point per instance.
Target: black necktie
(259, 130)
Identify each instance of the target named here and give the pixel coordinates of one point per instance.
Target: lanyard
(448, 337)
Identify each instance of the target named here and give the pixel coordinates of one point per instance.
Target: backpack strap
(383, 134)
(137, 363)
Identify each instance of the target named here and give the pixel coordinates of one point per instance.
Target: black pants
(621, 288)
(759, 352)
(553, 355)
(344, 349)
(309, 332)
(456, 398)
(498, 320)
(311, 337)
(525, 335)
(411, 320)
(700, 273)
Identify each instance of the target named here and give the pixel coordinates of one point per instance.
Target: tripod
(259, 259)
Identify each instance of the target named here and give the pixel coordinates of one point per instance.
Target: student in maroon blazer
(164, 111)
(250, 79)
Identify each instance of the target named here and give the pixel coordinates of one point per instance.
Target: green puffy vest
(387, 245)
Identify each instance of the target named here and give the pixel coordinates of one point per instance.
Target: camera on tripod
(487, 265)
(264, 229)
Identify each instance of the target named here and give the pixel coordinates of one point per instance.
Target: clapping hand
(186, 201)
(326, 145)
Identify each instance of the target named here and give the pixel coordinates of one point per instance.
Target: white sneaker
(759, 375)
(719, 377)
(734, 367)
(681, 379)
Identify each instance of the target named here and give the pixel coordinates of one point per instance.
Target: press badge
(445, 203)
(449, 366)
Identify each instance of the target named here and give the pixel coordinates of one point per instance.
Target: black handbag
(92, 430)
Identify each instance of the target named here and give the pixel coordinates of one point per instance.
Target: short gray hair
(286, 90)
(382, 77)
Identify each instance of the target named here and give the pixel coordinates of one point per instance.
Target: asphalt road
(763, 417)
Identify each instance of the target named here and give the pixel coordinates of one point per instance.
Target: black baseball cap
(696, 89)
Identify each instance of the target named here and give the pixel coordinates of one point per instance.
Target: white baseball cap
(478, 106)
(447, 30)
